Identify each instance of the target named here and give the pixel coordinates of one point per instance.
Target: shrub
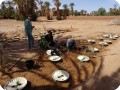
(19, 17)
(43, 43)
(59, 18)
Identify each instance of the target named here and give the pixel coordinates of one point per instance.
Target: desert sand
(102, 74)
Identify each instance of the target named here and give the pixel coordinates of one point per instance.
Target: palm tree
(3, 5)
(3, 8)
(53, 8)
(47, 9)
(65, 10)
(101, 12)
(65, 6)
(41, 7)
(21, 6)
(115, 6)
(9, 4)
(72, 9)
(26, 7)
(57, 3)
(40, 3)
(115, 10)
(94, 13)
(10, 9)
(82, 12)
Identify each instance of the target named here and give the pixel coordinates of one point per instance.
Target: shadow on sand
(105, 82)
(67, 63)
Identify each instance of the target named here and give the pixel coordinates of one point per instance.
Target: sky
(89, 5)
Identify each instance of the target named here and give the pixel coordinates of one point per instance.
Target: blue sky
(89, 5)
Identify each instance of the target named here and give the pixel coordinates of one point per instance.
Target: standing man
(28, 31)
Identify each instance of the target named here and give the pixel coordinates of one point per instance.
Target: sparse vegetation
(41, 8)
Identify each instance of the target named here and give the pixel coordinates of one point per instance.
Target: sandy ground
(108, 67)
(108, 75)
(81, 27)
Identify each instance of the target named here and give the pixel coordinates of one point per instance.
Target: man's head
(49, 32)
(29, 17)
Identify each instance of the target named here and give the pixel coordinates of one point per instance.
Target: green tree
(114, 11)
(94, 13)
(47, 9)
(101, 12)
(72, 9)
(76, 13)
(111, 11)
(82, 12)
(42, 11)
(57, 3)
(66, 11)
(26, 7)
(9, 12)
(65, 6)
(3, 8)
